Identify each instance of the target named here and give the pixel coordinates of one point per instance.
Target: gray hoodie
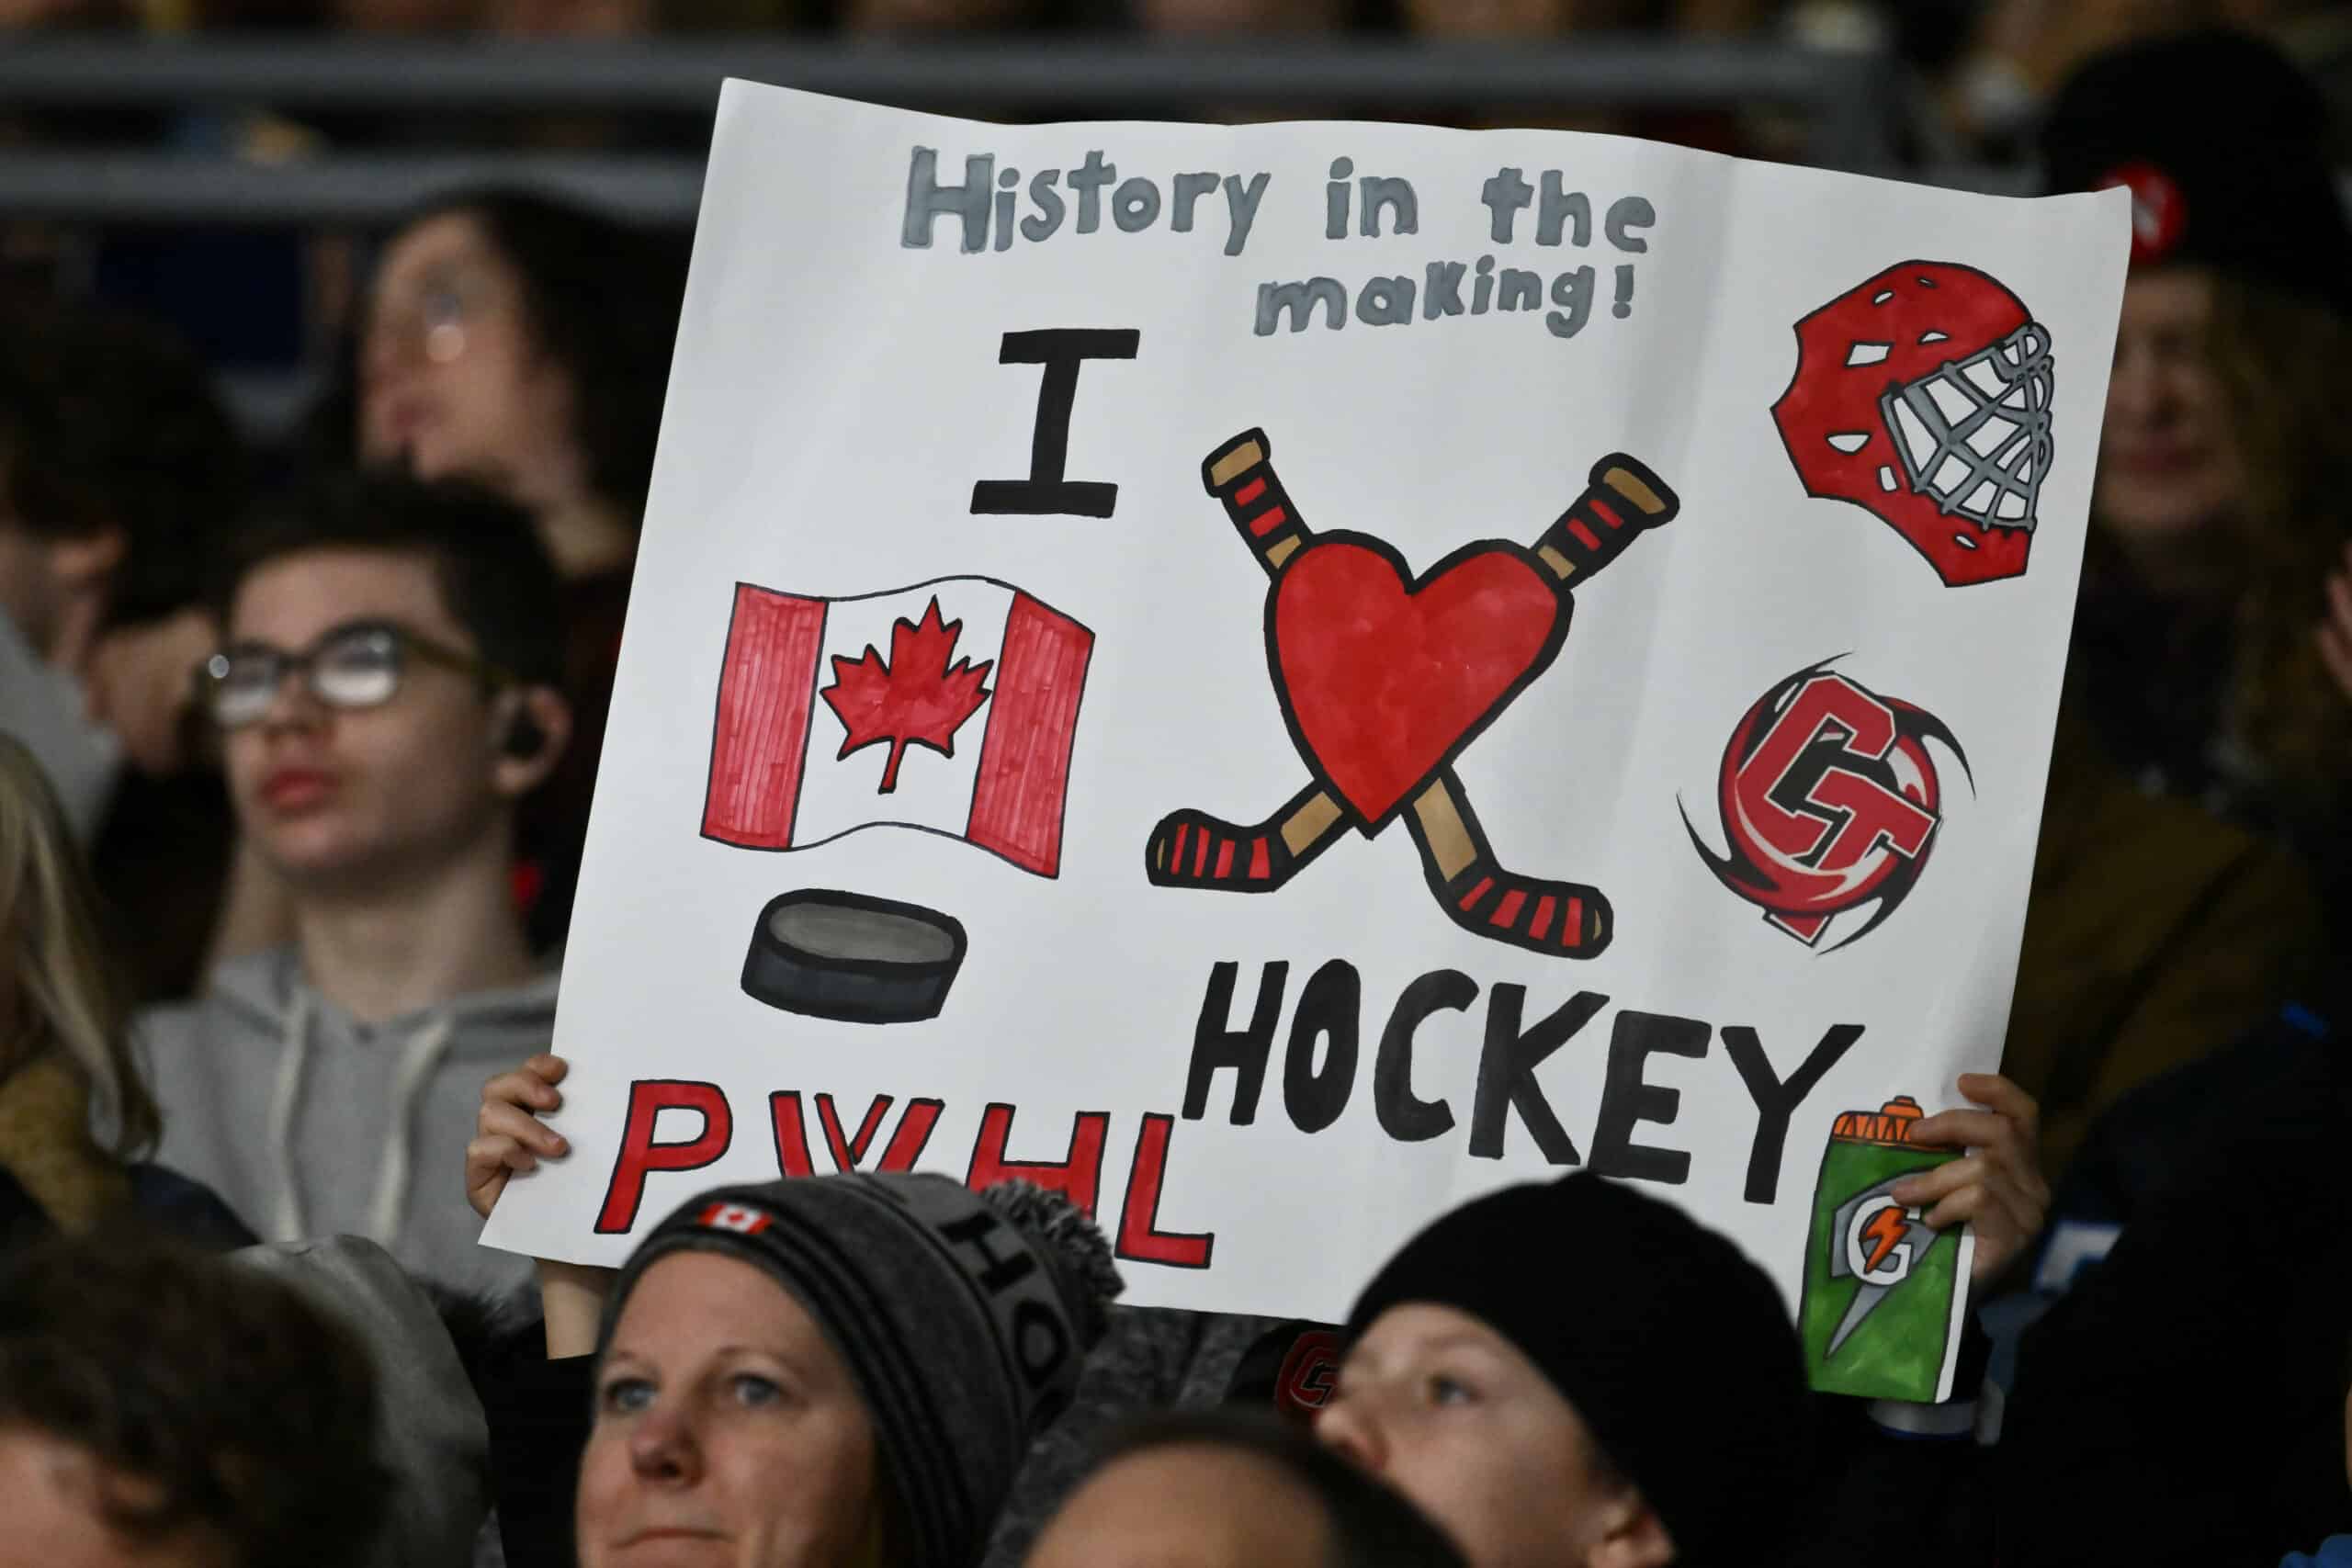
(312, 1124)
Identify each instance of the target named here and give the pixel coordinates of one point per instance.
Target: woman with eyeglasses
(523, 342)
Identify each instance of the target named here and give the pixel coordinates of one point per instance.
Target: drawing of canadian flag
(949, 707)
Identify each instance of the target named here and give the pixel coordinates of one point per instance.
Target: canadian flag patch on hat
(740, 1218)
(2159, 212)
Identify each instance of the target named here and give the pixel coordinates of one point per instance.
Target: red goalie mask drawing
(1923, 396)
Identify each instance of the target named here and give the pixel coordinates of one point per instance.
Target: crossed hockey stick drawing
(1384, 679)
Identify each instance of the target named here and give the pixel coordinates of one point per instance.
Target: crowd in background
(300, 738)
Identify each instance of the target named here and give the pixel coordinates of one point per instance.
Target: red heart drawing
(1384, 679)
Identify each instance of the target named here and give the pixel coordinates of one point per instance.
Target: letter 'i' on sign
(1045, 493)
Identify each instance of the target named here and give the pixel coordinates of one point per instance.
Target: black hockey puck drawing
(848, 956)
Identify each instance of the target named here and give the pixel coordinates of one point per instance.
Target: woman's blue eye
(624, 1396)
(1445, 1390)
(755, 1391)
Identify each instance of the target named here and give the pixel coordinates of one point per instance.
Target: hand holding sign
(1998, 1187)
(509, 1136)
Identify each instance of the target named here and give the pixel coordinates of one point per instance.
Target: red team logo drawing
(1922, 396)
(1829, 801)
(1384, 678)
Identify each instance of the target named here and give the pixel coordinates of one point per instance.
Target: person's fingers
(1965, 1129)
(495, 1153)
(1996, 1093)
(2008, 1205)
(2002, 1220)
(512, 1121)
(2015, 1197)
(1928, 1186)
(524, 1087)
(489, 1163)
(548, 1065)
(1974, 1203)
(1980, 1207)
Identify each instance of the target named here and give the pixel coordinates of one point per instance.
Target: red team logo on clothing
(1829, 801)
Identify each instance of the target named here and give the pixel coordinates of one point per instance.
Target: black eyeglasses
(357, 665)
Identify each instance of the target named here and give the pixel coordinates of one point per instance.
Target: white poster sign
(1279, 678)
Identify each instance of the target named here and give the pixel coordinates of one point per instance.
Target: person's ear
(1632, 1535)
(533, 726)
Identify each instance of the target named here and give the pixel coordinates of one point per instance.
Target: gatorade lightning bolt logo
(1885, 1227)
(1829, 801)
(1874, 1245)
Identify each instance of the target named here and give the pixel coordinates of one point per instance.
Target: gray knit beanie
(963, 1318)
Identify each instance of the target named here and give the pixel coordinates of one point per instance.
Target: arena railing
(1843, 102)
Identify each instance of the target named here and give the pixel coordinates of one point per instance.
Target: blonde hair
(66, 998)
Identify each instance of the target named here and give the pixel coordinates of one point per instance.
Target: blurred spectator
(1225, 1490)
(76, 1116)
(385, 693)
(1149, 1359)
(2152, 931)
(2224, 465)
(64, 1065)
(118, 467)
(2184, 1403)
(163, 1409)
(524, 342)
(430, 1432)
(2022, 49)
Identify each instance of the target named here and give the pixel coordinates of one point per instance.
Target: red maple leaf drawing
(915, 699)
